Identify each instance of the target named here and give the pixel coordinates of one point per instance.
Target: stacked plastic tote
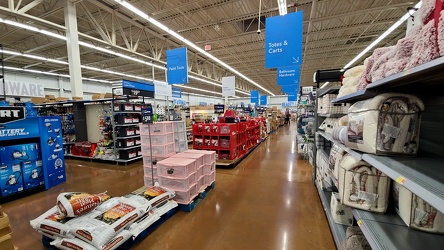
(180, 136)
(187, 173)
(157, 144)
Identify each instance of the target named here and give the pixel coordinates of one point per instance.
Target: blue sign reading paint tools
(177, 66)
(283, 40)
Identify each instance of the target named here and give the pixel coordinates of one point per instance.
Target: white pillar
(72, 44)
(61, 90)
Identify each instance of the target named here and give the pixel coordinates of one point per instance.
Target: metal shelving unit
(419, 175)
(127, 148)
(388, 231)
(337, 230)
(127, 137)
(126, 125)
(422, 175)
(129, 160)
(332, 115)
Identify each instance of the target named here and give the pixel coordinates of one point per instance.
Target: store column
(72, 44)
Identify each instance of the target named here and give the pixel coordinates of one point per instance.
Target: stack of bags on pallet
(422, 44)
(5, 232)
(97, 221)
(187, 173)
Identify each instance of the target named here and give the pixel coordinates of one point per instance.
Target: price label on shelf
(400, 180)
(359, 222)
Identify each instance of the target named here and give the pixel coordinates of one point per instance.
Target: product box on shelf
(138, 107)
(198, 142)
(227, 154)
(125, 143)
(228, 128)
(124, 119)
(415, 212)
(32, 174)
(18, 153)
(128, 154)
(126, 107)
(341, 214)
(125, 131)
(11, 179)
(362, 186)
(387, 124)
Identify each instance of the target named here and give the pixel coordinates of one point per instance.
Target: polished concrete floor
(268, 201)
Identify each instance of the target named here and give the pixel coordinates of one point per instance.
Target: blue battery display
(11, 179)
(18, 153)
(32, 174)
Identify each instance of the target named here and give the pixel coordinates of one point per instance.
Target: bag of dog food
(99, 227)
(77, 244)
(73, 204)
(53, 222)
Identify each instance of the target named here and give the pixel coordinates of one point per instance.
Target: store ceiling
(334, 32)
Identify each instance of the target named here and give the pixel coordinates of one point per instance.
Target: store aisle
(266, 202)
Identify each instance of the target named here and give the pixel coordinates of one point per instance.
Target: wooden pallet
(196, 201)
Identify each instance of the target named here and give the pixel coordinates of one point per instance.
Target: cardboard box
(50, 100)
(11, 179)
(61, 99)
(108, 95)
(52, 97)
(98, 96)
(38, 100)
(32, 174)
(76, 98)
(18, 153)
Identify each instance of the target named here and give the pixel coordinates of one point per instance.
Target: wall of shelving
(422, 175)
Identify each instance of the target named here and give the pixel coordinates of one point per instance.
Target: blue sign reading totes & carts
(283, 40)
(177, 66)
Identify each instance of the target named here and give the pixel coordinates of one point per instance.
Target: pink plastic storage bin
(176, 167)
(180, 136)
(158, 128)
(179, 126)
(158, 139)
(200, 171)
(210, 178)
(200, 183)
(209, 156)
(185, 196)
(147, 160)
(158, 151)
(176, 183)
(209, 168)
(147, 180)
(197, 157)
(147, 171)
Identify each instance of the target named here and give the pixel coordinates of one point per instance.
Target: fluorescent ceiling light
(381, 37)
(282, 5)
(91, 46)
(52, 74)
(187, 42)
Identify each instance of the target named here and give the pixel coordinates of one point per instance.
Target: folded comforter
(362, 186)
(386, 124)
